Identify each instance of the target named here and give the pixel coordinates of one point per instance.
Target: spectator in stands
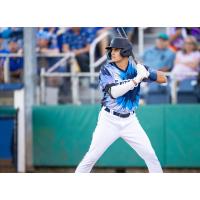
(42, 48)
(2, 58)
(52, 33)
(78, 41)
(6, 32)
(3, 50)
(160, 57)
(47, 47)
(15, 63)
(46, 44)
(187, 60)
(194, 31)
(177, 36)
(59, 36)
(96, 32)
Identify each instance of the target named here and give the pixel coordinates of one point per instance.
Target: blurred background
(49, 98)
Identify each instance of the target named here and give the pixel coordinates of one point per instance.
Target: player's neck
(122, 64)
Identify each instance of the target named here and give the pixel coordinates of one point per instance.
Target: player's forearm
(82, 50)
(122, 88)
(117, 90)
(161, 78)
(165, 69)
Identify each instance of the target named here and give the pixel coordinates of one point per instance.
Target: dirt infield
(8, 167)
(115, 170)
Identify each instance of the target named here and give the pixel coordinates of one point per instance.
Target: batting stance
(120, 83)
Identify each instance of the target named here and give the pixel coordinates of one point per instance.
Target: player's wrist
(142, 71)
(136, 80)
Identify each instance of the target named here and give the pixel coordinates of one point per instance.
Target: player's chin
(113, 59)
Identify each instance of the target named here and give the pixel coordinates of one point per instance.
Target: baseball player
(119, 82)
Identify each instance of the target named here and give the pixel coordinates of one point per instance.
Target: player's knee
(151, 156)
(91, 157)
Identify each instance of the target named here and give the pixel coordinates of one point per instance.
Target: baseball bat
(123, 34)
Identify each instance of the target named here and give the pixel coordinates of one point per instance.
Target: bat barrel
(123, 34)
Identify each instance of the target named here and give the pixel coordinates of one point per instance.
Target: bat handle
(136, 62)
(134, 59)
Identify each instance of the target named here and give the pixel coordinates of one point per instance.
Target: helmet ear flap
(109, 54)
(125, 52)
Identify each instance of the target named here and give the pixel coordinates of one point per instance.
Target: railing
(7, 57)
(76, 75)
(6, 72)
(93, 63)
(72, 74)
(174, 83)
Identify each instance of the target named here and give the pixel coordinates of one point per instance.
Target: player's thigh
(105, 133)
(136, 137)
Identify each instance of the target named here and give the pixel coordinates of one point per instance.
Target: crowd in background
(50, 41)
(175, 51)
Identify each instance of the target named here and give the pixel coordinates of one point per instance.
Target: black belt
(118, 114)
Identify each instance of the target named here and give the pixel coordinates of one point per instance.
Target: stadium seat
(7, 92)
(186, 92)
(158, 94)
(11, 86)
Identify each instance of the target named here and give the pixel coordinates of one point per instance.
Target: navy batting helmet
(120, 43)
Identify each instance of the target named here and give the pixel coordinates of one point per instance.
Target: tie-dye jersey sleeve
(105, 78)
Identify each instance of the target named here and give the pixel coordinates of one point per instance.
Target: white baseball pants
(110, 128)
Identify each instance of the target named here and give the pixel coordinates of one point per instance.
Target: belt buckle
(121, 115)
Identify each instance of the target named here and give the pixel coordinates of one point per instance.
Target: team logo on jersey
(117, 78)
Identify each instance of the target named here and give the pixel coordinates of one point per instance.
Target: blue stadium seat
(11, 86)
(158, 94)
(186, 92)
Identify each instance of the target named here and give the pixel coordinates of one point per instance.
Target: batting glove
(142, 73)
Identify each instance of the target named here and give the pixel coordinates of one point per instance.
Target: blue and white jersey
(111, 74)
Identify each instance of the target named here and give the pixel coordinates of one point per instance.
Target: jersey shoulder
(106, 69)
(132, 67)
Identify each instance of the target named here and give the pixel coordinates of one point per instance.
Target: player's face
(115, 55)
